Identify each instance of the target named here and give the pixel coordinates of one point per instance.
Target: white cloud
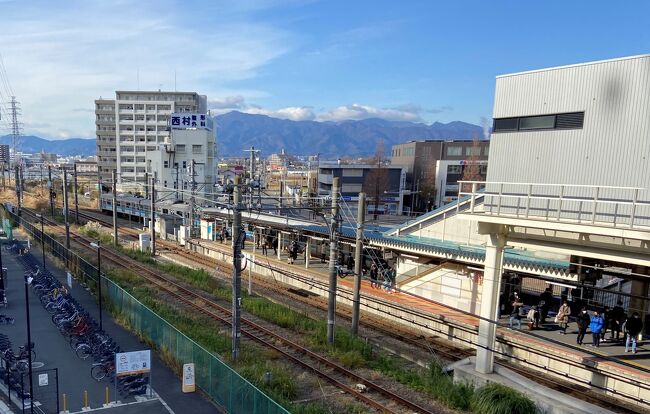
(238, 103)
(407, 112)
(62, 56)
(357, 112)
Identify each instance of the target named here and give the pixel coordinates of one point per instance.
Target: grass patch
(495, 398)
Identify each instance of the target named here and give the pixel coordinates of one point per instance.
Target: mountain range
(237, 131)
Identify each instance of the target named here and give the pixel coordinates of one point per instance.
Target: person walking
(583, 321)
(516, 313)
(545, 300)
(373, 275)
(596, 326)
(562, 317)
(617, 318)
(265, 246)
(633, 327)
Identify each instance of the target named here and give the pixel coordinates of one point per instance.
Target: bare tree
(377, 181)
(427, 186)
(472, 168)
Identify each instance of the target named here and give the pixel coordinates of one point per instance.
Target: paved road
(74, 374)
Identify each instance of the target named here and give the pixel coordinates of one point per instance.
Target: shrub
(495, 398)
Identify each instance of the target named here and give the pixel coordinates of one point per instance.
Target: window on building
(483, 169)
(184, 164)
(473, 151)
(180, 148)
(166, 164)
(454, 151)
(454, 169)
(197, 149)
(165, 184)
(570, 120)
(486, 150)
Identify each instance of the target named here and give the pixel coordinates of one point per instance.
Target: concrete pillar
(639, 303)
(254, 239)
(279, 245)
(489, 299)
(307, 252)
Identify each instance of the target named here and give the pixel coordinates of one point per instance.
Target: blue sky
(324, 60)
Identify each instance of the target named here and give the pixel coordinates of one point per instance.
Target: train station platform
(607, 368)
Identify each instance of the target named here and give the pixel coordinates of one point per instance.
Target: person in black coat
(545, 300)
(616, 320)
(583, 320)
(633, 328)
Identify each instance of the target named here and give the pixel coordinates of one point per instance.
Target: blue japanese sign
(186, 120)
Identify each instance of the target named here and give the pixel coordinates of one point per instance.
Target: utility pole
(152, 220)
(192, 189)
(114, 175)
(251, 175)
(49, 185)
(18, 193)
(146, 185)
(66, 207)
(334, 256)
(41, 169)
(236, 275)
(76, 196)
(358, 263)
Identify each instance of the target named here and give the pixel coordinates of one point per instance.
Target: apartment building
(132, 126)
(4, 153)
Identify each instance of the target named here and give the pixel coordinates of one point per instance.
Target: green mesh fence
(224, 385)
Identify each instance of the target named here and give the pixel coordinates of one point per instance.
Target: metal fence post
(633, 213)
(593, 212)
(559, 206)
(530, 193)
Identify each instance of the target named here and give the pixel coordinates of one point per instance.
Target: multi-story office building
(133, 125)
(420, 160)
(186, 163)
(385, 184)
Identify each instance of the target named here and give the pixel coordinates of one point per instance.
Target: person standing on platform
(605, 315)
(596, 326)
(349, 262)
(545, 300)
(617, 317)
(265, 246)
(323, 252)
(633, 327)
(562, 317)
(516, 313)
(583, 321)
(373, 275)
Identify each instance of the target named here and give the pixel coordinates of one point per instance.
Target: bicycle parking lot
(56, 328)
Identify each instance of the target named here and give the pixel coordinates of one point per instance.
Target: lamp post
(99, 279)
(40, 216)
(28, 280)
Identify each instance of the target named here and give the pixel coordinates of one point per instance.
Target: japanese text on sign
(184, 120)
(129, 363)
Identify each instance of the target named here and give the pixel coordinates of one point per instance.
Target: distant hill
(72, 146)
(237, 131)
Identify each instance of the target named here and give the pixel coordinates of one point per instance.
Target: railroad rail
(449, 352)
(376, 396)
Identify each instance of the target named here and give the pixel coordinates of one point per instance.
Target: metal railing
(610, 206)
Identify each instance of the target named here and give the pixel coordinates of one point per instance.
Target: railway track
(430, 344)
(374, 395)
